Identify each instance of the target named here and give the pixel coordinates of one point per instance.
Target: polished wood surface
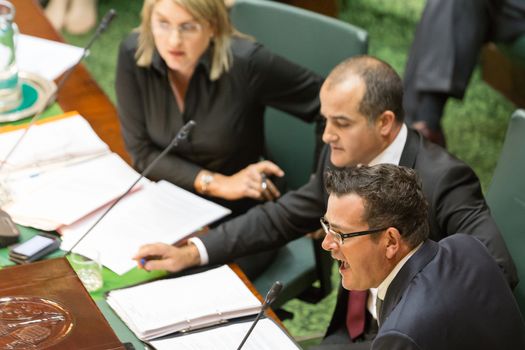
(81, 92)
(32, 291)
(326, 7)
(503, 74)
(244, 278)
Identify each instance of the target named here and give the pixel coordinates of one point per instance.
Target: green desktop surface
(111, 280)
(52, 110)
(121, 330)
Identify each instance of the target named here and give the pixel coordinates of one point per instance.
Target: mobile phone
(34, 248)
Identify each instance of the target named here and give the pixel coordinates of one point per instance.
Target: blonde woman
(184, 62)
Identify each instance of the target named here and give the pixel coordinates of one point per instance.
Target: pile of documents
(63, 177)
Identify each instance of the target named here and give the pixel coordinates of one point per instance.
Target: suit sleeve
(393, 340)
(138, 142)
(460, 207)
(272, 224)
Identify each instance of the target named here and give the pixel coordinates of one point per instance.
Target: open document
(159, 212)
(265, 336)
(178, 304)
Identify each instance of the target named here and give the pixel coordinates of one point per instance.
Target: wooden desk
(249, 284)
(81, 92)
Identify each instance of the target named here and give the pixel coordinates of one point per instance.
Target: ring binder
(153, 317)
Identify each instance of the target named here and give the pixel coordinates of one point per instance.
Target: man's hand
(161, 256)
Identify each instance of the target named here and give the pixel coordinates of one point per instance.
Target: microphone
(104, 23)
(181, 136)
(270, 298)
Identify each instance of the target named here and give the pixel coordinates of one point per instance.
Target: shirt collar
(383, 287)
(392, 154)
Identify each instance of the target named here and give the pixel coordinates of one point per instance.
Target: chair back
(506, 197)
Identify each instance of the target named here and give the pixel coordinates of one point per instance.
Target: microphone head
(273, 293)
(185, 131)
(106, 20)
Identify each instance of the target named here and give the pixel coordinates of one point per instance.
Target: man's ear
(393, 242)
(386, 122)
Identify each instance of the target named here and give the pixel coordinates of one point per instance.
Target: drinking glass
(88, 270)
(10, 91)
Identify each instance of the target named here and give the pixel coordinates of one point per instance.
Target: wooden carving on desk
(44, 305)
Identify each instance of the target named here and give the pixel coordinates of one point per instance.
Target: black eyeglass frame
(342, 236)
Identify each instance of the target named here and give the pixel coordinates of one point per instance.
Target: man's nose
(328, 243)
(328, 134)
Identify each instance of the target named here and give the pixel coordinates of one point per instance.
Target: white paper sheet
(45, 57)
(265, 336)
(160, 212)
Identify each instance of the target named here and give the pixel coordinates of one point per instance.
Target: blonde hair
(211, 11)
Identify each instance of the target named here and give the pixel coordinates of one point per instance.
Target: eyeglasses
(185, 30)
(339, 237)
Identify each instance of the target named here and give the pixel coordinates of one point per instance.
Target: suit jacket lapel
(411, 268)
(411, 149)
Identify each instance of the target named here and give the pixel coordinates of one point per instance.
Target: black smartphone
(34, 248)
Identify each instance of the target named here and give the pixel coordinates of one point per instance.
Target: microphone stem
(174, 143)
(259, 315)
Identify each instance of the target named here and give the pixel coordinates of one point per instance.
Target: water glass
(10, 91)
(88, 270)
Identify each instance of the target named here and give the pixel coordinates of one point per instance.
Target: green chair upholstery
(319, 43)
(506, 197)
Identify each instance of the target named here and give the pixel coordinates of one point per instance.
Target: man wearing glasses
(446, 295)
(361, 101)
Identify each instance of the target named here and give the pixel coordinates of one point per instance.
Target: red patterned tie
(355, 314)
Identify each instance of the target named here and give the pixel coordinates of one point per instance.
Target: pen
(145, 259)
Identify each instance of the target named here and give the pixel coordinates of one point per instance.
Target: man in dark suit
(362, 102)
(446, 48)
(446, 295)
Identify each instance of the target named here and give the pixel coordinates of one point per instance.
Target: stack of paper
(59, 173)
(265, 336)
(62, 196)
(162, 307)
(49, 146)
(159, 212)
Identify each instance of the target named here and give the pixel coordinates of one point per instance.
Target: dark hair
(384, 89)
(392, 197)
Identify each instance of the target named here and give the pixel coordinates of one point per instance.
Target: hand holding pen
(161, 256)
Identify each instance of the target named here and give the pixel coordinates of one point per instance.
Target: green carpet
(475, 127)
